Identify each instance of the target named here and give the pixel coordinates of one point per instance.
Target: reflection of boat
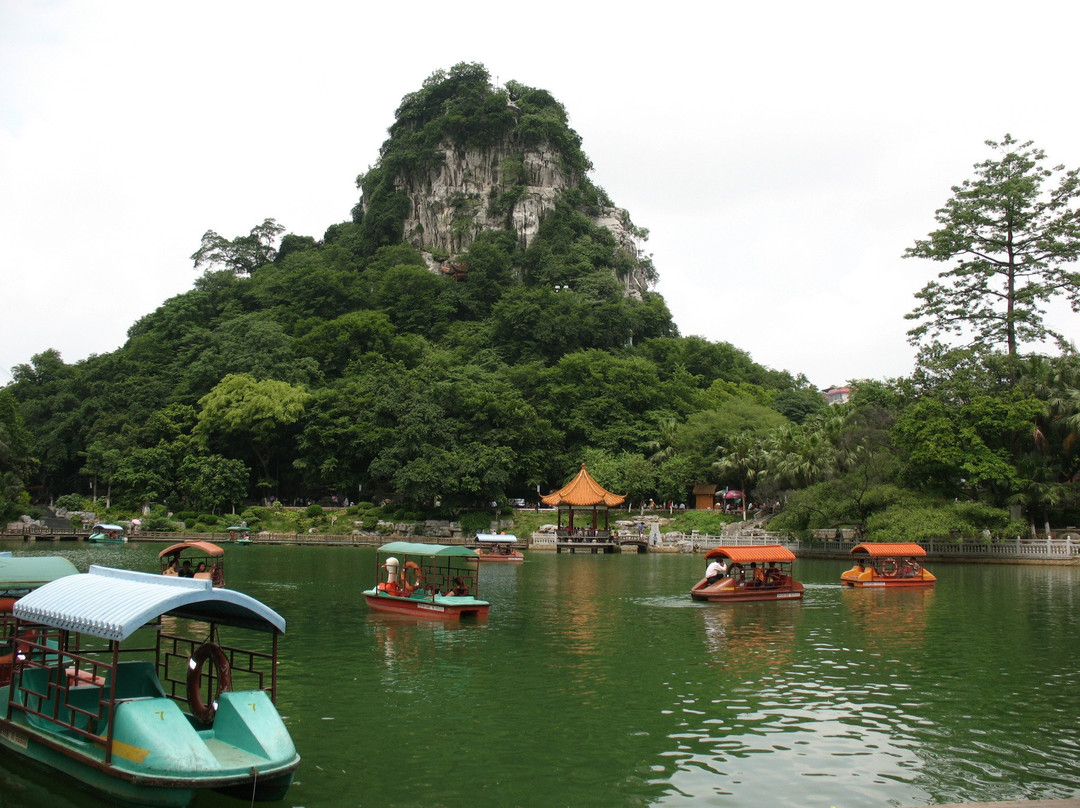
(139, 723)
(239, 534)
(189, 555)
(427, 580)
(107, 534)
(881, 564)
(761, 572)
(498, 547)
(20, 575)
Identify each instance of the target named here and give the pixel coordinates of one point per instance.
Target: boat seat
(136, 679)
(80, 706)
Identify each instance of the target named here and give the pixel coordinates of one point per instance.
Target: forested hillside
(370, 363)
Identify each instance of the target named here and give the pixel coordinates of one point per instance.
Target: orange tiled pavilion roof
(583, 490)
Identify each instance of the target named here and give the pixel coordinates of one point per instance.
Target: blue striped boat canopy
(496, 538)
(113, 604)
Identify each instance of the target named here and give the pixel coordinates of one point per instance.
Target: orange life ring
(202, 711)
(888, 568)
(408, 587)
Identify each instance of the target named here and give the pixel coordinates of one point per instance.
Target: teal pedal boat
(107, 534)
(148, 689)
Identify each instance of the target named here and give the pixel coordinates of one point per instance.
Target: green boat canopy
(417, 549)
(22, 573)
(113, 604)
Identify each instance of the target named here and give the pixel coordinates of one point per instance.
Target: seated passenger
(758, 574)
(714, 572)
(459, 589)
(773, 575)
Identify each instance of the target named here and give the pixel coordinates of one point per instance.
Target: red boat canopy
(760, 553)
(877, 550)
(202, 546)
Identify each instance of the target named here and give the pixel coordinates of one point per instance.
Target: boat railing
(58, 689)
(1064, 549)
(582, 534)
(250, 669)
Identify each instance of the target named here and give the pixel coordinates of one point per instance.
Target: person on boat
(758, 574)
(217, 576)
(459, 589)
(185, 570)
(772, 575)
(737, 573)
(201, 569)
(714, 572)
(171, 569)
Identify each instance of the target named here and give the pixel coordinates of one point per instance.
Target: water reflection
(596, 680)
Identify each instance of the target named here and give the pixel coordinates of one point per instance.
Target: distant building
(703, 496)
(837, 395)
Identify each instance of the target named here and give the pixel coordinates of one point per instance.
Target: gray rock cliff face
(454, 203)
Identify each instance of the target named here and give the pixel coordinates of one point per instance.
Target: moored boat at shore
(239, 534)
(762, 572)
(498, 547)
(427, 580)
(887, 565)
(107, 534)
(109, 689)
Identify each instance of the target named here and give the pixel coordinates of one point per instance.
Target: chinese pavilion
(583, 500)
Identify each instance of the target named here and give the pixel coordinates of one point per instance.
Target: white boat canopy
(496, 538)
(101, 527)
(113, 604)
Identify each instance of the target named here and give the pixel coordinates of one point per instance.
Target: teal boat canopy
(113, 604)
(101, 528)
(21, 573)
(417, 549)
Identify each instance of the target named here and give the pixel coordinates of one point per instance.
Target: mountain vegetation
(343, 368)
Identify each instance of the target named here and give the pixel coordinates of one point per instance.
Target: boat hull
(887, 583)
(439, 608)
(869, 578)
(498, 557)
(726, 591)
(153, 776)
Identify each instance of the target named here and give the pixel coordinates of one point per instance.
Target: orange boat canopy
(877, 550)
(760, 553)
(202, 546)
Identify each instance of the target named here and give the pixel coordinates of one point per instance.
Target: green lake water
(597, 681)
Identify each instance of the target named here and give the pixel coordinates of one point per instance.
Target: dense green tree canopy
(346, 366)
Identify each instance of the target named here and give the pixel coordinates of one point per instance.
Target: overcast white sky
(781, 154)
